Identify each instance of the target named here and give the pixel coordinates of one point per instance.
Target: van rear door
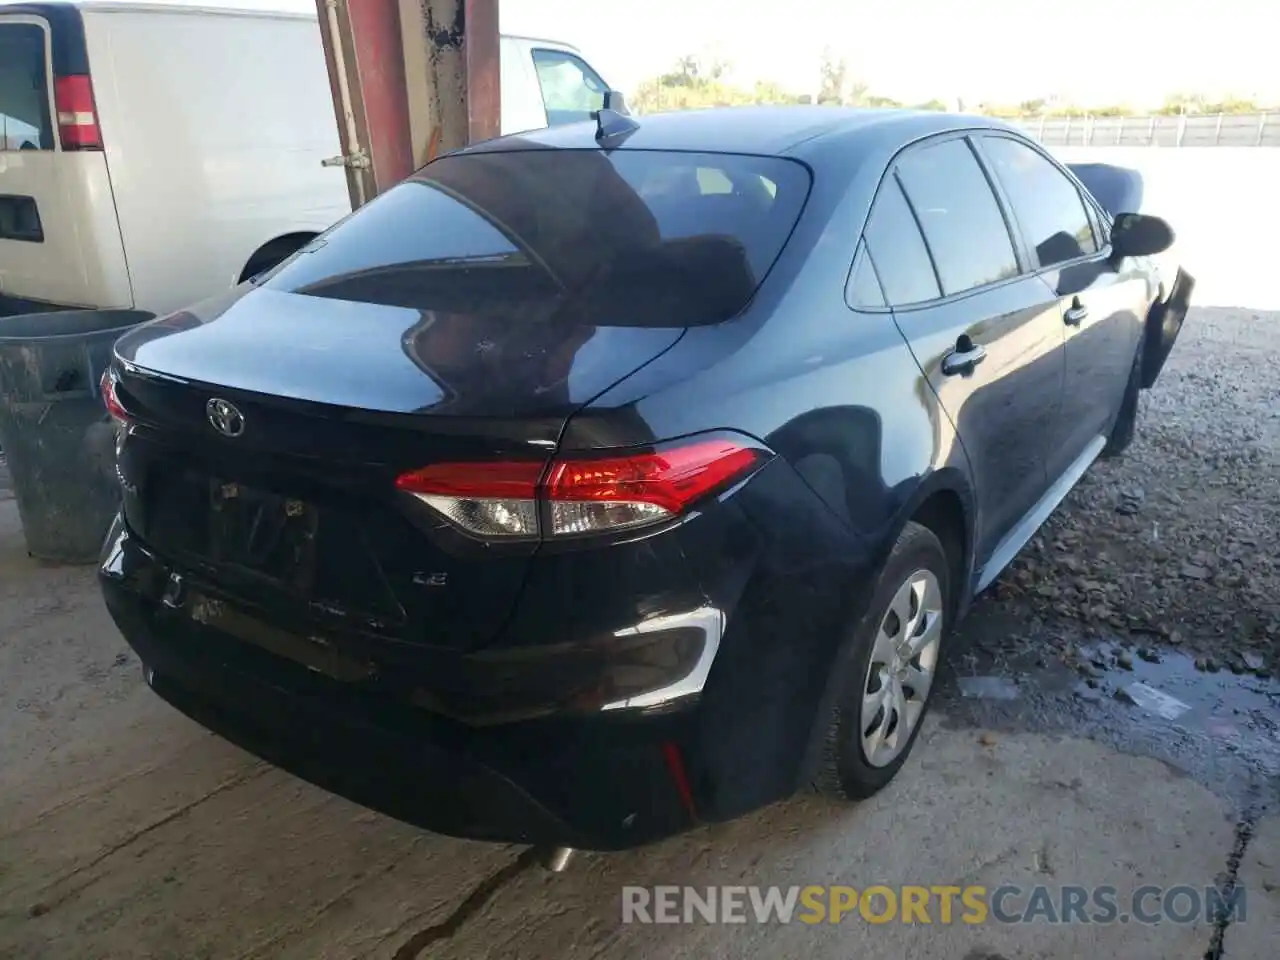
(59, 238)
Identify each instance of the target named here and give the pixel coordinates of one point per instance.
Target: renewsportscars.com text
(940, 904)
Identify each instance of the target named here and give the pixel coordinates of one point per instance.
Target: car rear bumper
(566, 730)
(603, 781)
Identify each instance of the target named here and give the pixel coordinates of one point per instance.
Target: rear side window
(571, 90)
(959, 215)
(623, 238)
(24, 88)
(1046, 204)
(901, 259)
(864, 287)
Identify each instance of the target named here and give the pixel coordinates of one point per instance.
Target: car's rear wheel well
(273, 251)
(943, 513)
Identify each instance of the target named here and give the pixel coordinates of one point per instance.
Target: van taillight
(77, 117)
(583, 493)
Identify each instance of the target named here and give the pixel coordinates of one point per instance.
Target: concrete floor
(127, 831)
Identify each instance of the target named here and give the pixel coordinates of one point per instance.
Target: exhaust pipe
(557, 859)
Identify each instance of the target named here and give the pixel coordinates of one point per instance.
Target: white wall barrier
(1224, 204)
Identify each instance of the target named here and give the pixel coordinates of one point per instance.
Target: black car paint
(492, 701)
(391, 405)
(1099, 348)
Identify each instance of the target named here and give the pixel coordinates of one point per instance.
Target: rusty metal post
(410, 79)
(482, 49)
(452, 73)
(363, 50)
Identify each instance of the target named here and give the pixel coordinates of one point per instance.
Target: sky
(1084, 51)
(914, 50)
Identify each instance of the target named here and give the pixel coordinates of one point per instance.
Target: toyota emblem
(225, 418)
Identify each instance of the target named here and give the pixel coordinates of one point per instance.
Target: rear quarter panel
(861, 440)
(214, 126)
(836, 392)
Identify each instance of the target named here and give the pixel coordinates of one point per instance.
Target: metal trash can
(55, 432)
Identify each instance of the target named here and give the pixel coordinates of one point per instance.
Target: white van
(151, 154)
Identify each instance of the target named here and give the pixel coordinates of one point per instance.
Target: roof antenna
(613, 126)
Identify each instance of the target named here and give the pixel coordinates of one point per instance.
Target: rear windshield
(626, 238)
(24, 89)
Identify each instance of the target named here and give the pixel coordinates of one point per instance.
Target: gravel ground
(1177, 540)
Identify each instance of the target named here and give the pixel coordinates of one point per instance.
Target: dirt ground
(1178, 541)
(127, 831)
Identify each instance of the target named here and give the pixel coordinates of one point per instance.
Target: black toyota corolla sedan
(609, 479)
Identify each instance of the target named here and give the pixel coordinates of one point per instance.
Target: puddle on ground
(1221, 727)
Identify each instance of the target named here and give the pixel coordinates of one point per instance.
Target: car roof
(768, 131)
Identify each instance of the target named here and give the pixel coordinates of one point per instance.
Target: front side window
(1101, 227)
(24, 89)
(585, 237)
(1047, 205)
(958, 214)
(571, 90)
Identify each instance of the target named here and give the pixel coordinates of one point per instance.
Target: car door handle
(963, 358)
(1074, 314)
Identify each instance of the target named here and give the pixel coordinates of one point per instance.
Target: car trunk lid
(293, 505)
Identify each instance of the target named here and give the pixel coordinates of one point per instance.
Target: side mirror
(613, 100)
(1140, 235)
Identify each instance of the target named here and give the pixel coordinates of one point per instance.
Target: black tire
(273, 254)
(1126, 425)
(846, 772)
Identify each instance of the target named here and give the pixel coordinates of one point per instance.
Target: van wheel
(1126, 425)
(272, 254)
(896, 652)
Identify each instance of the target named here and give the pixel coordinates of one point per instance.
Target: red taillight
(77, 116)
(590, 495)
(583, 495)
(486, 499)
(107, 386)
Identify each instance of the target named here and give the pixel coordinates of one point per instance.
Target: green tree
(769, 91)
(837, 87)
(1232, 105)
(693, 83)
(1177, 103)
(833, 78)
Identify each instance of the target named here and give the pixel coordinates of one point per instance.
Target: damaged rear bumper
(599, 781)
